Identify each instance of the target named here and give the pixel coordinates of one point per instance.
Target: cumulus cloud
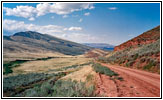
(73, 29)
(32, 19)
(112, 8)
(21, 11)
(58, 31)
(16, 26)
(87, 14)
(44, 8)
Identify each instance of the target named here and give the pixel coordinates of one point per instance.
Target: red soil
(135, 83)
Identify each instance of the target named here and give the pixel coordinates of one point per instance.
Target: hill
(141, 52)
(103, 46)
(95, 53)
(145, 38)
(30, 41)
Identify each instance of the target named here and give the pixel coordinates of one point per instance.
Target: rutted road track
(136, 83)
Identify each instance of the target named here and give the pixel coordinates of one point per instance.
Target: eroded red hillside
(145, 38)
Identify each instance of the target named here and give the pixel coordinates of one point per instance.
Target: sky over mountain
(112, 23)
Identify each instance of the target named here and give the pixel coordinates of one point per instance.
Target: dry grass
(29, 56)
(45, 66)
(81, 75)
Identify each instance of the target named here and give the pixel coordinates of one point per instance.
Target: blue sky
(112, 23)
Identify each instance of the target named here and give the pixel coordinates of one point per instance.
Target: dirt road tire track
(136, 83)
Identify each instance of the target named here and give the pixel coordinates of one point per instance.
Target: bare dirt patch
(136, 83)
(105, 86)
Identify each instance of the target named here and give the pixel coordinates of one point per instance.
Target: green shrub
(89, 77)
(31, 93)
(142, 60)
(130, 63)
(149, 66)
(70, 88)
(131, 54)
(12, 82)
(136, 56)
(62, 88)
(103, 70)
(9, 65)
(103, 59)
(120, 78)
(127, 65)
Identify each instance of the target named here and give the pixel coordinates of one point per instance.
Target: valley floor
(53, 75)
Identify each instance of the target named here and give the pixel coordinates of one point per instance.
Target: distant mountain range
(103, 46)
(30, 41)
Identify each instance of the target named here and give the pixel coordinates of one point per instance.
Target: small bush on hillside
(142, 60)
(130, 63)
(149, 65)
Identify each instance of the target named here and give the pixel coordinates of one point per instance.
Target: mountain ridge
(103, 46)
(37, 42)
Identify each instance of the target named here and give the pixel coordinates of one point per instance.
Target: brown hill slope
(95, 53)
(30, 41)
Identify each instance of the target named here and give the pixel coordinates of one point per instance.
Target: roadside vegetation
(103, 70)
(144, 57)
(50, 83)
(47, 85)
(61, 88)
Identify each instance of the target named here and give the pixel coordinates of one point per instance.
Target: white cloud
(44, 8)
(80, 20)
(92, 7)
(73, 29)
(16, 26)
(80, 37)
(112, 8)
(87, 14)
(21, 11)
(58, 31)
(65, 16)
(32, 19)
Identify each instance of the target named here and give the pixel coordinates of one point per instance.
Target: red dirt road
(136, 83)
